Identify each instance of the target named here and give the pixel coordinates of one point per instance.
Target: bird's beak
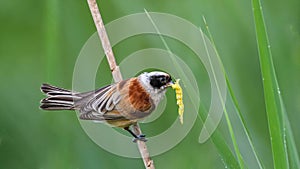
(170, 83)
(167, 85)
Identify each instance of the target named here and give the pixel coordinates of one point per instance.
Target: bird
(120, 104)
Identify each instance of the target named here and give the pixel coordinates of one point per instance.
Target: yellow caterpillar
(178, 91)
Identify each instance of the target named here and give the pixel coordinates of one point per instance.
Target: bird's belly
(121, 123)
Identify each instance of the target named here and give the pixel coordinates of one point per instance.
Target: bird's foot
(141, 137)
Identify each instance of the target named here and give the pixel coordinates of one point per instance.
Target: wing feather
(101, 104)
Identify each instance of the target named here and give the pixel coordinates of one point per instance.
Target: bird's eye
(168, 79)
(163, 80)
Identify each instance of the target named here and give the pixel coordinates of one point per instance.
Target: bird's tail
(58, 98)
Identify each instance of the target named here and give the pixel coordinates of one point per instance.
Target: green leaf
(275, 113)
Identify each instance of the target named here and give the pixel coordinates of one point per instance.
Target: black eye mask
(159, 81)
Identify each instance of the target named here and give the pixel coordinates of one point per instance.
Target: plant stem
(116, 74)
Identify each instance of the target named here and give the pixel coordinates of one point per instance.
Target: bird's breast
(139, 98)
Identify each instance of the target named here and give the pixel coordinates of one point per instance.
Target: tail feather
(57, 98)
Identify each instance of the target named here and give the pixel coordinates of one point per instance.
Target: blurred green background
(40, 41)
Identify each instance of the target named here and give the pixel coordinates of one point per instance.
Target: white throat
(156, 94)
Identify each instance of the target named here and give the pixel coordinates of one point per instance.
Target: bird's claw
(141, 137)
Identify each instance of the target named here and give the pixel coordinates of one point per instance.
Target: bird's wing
(101, 106)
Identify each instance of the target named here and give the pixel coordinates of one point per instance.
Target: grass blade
(216, 138)
(294, 160)
(235, 102)
(232, 135)
(221, 145)
(271, 91)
